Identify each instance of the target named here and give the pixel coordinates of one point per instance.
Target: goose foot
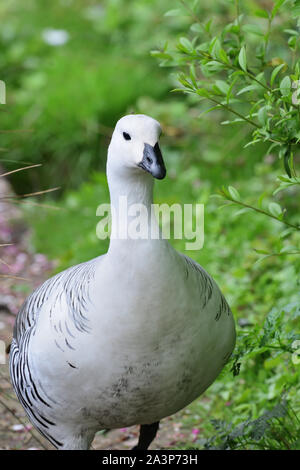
(147, 434)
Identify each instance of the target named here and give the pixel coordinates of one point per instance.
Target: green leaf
(246, 89)
(197, 28)
(253, 29)
(193, 75)
(293, 32)
(261, 198)
(243, 59)
(292, 42)
(215, 48)
(183, 80)
(275, 73)
(160, 55)
(213, 66)
(276, 7)
(234, 121)
(208, 111)
(186, 44)
(175, 12)
(234, 193)
(222, 86)
(202, 92)
(181, 90)
(275, 209)
(262, 115)
(207, 25)
(262, 13)
(253, 142)
(295, 11)
(285, 86)
(261, 252)
(242, 211)
(285, 179)
(223, 56)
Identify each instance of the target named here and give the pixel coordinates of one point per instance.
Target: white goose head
(134, 146)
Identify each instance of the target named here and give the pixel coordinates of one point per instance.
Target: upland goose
(126, 338)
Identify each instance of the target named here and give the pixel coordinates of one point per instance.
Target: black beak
(153, 162)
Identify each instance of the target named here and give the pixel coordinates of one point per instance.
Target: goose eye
(126, 136)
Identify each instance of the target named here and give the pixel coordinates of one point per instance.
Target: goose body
(127, 338)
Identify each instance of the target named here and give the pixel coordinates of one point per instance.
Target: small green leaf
(276, 7)
(223, 56)
(275, 209)
(197, 28)
(175, 12)
(234, 193)
(285, 86)
(275, 73)
(243, 59)
(234, 121)
(261, 198)
(222, 86)
(193, 75)
(213, 66)
(208, 111)
(215, 48)
(293, 32)
(262, 115)
(181, 90)
(246, 89)
(186, 44)
(253, 29)
(160, 55)
(242, 211)
(202, 92)
(207, 25)
(252, 142)
(261, 13)
(292, 42)
(261, 252)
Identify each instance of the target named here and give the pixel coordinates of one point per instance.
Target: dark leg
(147, 434)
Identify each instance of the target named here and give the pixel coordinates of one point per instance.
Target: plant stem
(234, 112)
(261, 211)
(237, 7)
(267, 37)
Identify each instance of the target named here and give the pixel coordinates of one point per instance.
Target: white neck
(128, 188)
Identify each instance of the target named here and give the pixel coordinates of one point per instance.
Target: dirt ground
(21, 270)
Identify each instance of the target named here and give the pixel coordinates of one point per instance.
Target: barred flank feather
(72, 285)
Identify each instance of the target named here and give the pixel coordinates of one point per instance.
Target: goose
(127, 338)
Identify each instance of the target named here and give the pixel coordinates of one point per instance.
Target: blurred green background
(72, 69)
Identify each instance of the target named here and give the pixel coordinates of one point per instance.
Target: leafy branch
(275, 211)
(235, 74)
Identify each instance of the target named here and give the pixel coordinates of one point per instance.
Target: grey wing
(74, 285)
(208, 288)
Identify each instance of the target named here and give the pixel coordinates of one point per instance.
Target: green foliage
(269, 431)
(67, 232)
(244, 76)
(276, 338)
(67, 97)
